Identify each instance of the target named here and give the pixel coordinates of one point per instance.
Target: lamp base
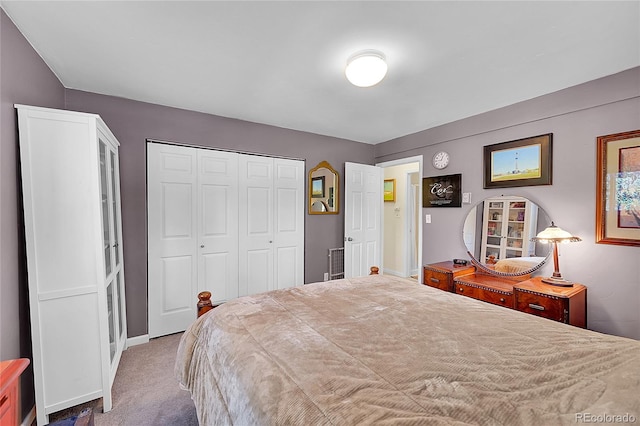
(557, 281)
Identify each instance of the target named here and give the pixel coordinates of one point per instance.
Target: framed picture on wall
(523, 162)
(389, 190)
(618, 189)
(442, 191)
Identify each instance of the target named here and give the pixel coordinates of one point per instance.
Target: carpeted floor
(145, 391)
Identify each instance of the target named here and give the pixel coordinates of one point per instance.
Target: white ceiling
(282, 63)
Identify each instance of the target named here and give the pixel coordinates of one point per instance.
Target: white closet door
(256, 224)
(218, 224)
(228, 223)
(172, 238)
(289, 202)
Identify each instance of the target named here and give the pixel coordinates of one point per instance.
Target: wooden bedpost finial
(374, 270)
(204, 302)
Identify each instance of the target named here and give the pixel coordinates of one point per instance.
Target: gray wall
(133, 122)
(24, 78)
(576, 117)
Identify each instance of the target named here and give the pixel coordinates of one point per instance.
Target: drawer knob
(537, 307)
(461, 290)
(434, 280)
(502, 300)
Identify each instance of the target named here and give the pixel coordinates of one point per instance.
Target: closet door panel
(172, 242)
(286, 271)
(218, 224)
(256, 224)
(289, 222)
(259, 261)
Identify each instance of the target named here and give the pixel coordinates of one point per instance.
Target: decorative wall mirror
(497, 235)
(323, 189)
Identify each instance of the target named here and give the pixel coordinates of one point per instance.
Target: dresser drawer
(438, 279)
(495, 296)
(542, 305)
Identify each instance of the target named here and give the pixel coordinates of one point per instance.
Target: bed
(386, 350)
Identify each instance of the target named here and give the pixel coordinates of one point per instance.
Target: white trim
(415, 159)
(31, 416)
(410, 211)
(137, 340)
(392, 272)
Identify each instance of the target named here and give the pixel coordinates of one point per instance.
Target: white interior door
(217, 224)
(256, 224)
(172, 237)
(362, 219)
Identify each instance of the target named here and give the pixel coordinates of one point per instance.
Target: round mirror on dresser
(497, 234)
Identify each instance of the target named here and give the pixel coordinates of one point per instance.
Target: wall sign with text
(442, 191)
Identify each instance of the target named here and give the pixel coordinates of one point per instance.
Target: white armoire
(226, 222)
(73, 233)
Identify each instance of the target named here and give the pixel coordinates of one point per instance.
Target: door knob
(201, 245)
(349, 239)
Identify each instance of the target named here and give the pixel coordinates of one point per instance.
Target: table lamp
(555, 235)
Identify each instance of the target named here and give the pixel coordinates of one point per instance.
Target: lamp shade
(366, 68)
(555, 234)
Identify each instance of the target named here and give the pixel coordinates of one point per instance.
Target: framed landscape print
(389, 190)
(442, 191)
(618, 189)
(523, 162)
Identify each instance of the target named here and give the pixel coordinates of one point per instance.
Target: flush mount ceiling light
(366, 68)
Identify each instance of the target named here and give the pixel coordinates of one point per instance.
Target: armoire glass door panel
(121, 304)
(114, 207)
(112, 313)
(104, 197)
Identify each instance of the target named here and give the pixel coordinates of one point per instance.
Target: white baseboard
(31, 417)
(137, 340)
(388, 271)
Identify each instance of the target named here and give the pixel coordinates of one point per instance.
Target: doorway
(401, 218)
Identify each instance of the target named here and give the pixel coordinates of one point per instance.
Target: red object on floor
(10, 372)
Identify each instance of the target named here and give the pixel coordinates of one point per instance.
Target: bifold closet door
(218, 224)
(271, 223)
(192, 232)
(289, 211)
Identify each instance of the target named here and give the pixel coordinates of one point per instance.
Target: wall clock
(440, 160)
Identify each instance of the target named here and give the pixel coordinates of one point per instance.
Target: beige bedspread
(384, 350)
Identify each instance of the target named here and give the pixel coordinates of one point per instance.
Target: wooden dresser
(564, 304)
(10, 372)
(496, 290)
(441, 275)
(530, 295)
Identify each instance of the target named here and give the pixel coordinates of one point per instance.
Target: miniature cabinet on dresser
(73, 233)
